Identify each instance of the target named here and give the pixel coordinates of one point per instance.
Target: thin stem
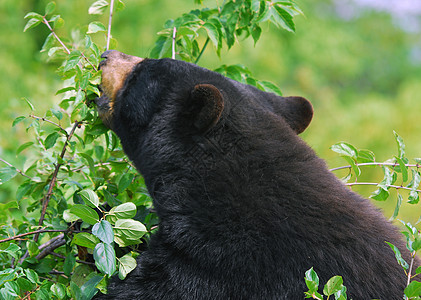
(17, 170)
(45, 21)
(109, 24)
(376, 164)
(410, 268)
(203, 50)
(47, 196)
(30, 233)
(77, 260)
(174, 34)
(388, 185)
(51, 122)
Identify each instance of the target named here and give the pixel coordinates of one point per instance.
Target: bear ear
(298, 113)
(208, 105)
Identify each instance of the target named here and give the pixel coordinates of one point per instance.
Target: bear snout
(115, 68)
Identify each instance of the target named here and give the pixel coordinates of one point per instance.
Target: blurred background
(357, 61)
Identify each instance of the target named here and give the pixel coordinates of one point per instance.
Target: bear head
(164, 109)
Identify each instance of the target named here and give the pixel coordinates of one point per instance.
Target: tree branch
(17, 170)
(51, 122)
(376, 164)
(77, 260)
(388, 185)
(45, 21)
(42, 230)
(174, 34)
(47, 196)
(51, 247)
(109, 24)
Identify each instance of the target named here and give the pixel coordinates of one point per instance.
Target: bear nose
(106, 53)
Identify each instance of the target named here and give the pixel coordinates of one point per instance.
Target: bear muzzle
(115, 67)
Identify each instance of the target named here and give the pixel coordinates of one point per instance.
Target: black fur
(246, 207)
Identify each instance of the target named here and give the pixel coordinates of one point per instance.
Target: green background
(362, 74)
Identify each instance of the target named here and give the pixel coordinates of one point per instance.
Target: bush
(82, 212)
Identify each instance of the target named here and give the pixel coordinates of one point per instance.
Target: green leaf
(69, 217)
(103, 231)
(23, 147)
(31, 24)
(33, 15)
(312, 280)
(18, 120)
(12, 250)
(12, 288)
(51, 139)
(256, 32)
(89, 197)
(213, 34)
(403, 169)
(89, 289)
(69, 264)
(401, 145)
(130, 229)
(354, 166)
(126, 264)
(50, 8)
(365, 156)
(7, 173)
(162, 48)
(282, 18)
(58, 290)
(345, 149)
(418, 270)
(397, 207)
(29, 103)
(95, 27)
(268, 87)
(333, 285)
(32, 247)
(125, 181)
(25, 284)
(32, 276)
(380, 194)
(85, 239)
(105, 260)
(124, 211)
(49, 42)
(413, 289)
(98, 7)
(398, 256)
(86, 213)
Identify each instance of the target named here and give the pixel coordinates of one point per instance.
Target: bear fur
(245, 206)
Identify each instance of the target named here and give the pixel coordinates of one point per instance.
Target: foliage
(82, 212)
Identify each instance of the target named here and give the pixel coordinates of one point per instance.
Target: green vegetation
(60, 165)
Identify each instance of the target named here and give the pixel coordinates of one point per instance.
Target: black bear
(245, 206)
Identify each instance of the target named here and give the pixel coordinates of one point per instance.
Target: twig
(410, 268)
(53, 240)
(51, 122)
(203, 50)
(30, 233)
(45, 21)
(47, 196)
(388, 185)
(17, 170)
(376, 164)
(109, 24)
(57, 243)
(77, 260)
(174, 34)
